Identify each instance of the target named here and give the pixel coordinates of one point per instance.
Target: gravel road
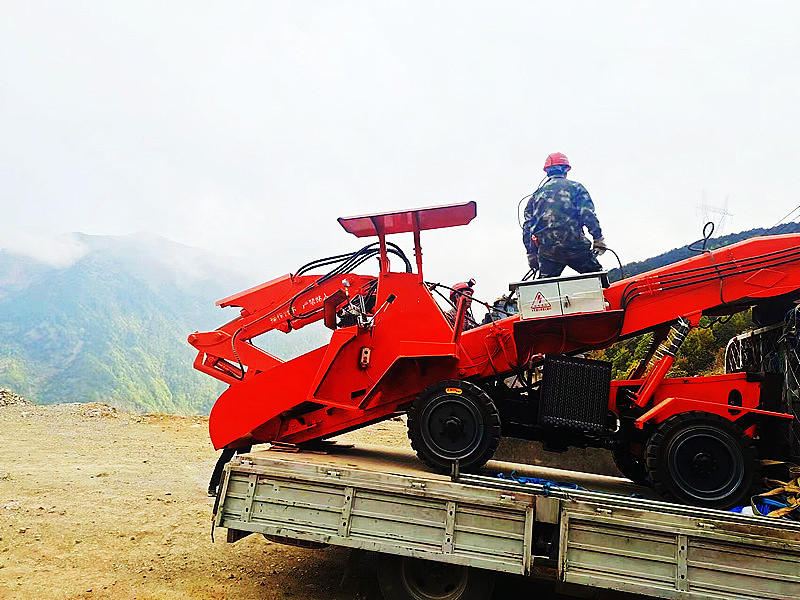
(96, 503)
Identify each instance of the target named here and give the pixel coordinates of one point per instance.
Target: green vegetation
(702, 353)
(112, 327)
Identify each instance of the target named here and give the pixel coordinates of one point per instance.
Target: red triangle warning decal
(540, 303)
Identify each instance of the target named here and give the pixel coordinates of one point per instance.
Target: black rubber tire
(404, 578)
(631, 465)
(454, 420)
(702, 459)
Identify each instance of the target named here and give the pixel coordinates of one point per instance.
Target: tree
(702, 353)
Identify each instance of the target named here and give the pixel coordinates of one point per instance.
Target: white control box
(557, 296)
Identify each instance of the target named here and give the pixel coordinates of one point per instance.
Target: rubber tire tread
(480, 583)
(491, 417)
(659, 478)
(626, 463)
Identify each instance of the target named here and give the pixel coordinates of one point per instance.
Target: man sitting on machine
(458, 291)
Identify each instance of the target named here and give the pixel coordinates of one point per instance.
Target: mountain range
(111, 324)
(108, 320)
(676, 254)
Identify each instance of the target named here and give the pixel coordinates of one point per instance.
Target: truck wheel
(404, 578)
(702, 459)
(630, 465)
(454, 420)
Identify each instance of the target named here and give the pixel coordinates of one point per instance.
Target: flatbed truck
(445, 537)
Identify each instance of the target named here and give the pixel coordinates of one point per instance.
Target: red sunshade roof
(432, 217)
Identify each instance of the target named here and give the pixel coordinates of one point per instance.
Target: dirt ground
(100, 504)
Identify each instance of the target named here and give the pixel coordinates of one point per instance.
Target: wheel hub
(424, 580)
(452, 427)
(704, 463)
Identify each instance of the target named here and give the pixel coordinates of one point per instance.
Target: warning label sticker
(540, 303)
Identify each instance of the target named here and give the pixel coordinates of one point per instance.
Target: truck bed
(606, 535)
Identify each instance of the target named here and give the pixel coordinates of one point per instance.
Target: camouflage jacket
(556, 214)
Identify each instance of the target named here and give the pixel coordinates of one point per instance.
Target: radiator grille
(574, 393)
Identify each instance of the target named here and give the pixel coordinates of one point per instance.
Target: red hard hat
(556, 158)
(465, 287)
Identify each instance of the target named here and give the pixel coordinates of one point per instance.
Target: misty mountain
(111, 325)
(105, 318)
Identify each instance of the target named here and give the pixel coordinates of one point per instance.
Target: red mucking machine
(392, 350)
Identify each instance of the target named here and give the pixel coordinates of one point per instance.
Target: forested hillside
(703, 351)
(676, 254)
(112, 325)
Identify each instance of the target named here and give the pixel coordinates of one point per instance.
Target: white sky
(248, 127)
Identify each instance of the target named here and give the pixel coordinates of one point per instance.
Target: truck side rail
(604, 540)
(669, 550)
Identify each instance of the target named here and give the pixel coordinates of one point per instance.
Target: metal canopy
(432, 217)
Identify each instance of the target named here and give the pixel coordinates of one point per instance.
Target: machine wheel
(404, 578)
(454, 420)
(702, 459)
(631, 465)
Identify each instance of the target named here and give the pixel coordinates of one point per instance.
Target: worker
(227, 454)
(458, 291)
(502, 307)
(555, 217)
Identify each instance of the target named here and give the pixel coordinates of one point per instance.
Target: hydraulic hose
(347, 262)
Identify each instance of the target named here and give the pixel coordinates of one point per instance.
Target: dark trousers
(583, 263)
(227, 454)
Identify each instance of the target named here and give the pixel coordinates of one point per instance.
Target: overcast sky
(248, 127)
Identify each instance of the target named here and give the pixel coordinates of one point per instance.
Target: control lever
(389, 299)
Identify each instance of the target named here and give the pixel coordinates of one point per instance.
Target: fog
(246, 128)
